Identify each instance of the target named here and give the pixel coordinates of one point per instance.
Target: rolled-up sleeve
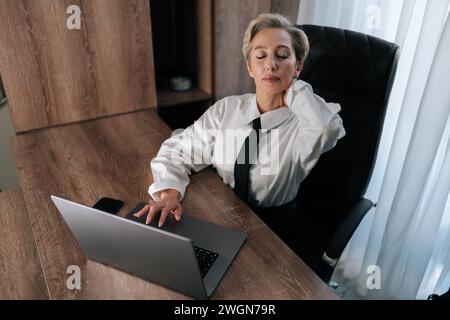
(185, 151)
(319, 124)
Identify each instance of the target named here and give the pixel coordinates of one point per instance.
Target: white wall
(8, 176)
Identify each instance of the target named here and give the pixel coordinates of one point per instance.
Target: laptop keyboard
(205, 259)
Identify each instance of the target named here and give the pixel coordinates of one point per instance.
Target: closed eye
(279, 56)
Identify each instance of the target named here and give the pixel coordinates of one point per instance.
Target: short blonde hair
(300, 42)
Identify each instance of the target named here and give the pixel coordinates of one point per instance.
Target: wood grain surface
(53, 75)
(172, 98)
(204, 35)
(21, 274)
(288, 8)
(111, 157)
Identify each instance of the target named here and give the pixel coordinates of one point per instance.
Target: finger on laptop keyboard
(177, 212)
(164, 213)
(154, 208)
(143, 211)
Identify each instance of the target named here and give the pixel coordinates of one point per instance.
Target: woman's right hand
(168, 203)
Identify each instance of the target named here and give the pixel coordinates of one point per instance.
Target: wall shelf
(170, 98)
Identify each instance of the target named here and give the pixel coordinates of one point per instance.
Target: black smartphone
(109, 205)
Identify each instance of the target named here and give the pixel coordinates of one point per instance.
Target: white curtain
(408, 234)
(375, 17)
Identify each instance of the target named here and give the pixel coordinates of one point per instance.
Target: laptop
(190, 256)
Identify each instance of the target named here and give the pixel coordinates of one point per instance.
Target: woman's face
(272, 62)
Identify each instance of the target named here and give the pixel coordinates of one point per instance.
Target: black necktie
(242, 164)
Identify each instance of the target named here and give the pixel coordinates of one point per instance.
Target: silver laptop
(190, 256)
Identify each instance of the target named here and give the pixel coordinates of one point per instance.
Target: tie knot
(257, 124)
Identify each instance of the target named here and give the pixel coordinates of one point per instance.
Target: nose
(271, 64)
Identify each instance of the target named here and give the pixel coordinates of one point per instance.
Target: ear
(298, 69)
(249, 69)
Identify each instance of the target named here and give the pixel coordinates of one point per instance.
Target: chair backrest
(357, 71)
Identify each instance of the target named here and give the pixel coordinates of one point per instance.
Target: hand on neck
(268, 102)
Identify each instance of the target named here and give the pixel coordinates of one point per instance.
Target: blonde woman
(261, 144)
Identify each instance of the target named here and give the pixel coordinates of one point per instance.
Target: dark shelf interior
(174, 40)
(175, 46)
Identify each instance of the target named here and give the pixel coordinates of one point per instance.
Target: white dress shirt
(291, 141)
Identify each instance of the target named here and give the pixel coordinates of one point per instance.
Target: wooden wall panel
(53, 75)
(288, 8)
(231, 19)
(204, 45)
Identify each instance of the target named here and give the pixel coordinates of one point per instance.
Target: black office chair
(2, 93)
(357, 71)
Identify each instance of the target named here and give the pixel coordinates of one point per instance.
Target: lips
(271, 78)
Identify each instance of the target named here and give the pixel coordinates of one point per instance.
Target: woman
(292, 128)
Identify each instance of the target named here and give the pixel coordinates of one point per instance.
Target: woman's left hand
(285, 92)
(284, 104)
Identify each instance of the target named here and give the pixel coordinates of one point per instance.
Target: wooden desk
(21, 275)
(111, 157)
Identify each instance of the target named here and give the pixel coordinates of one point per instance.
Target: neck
(267, 102)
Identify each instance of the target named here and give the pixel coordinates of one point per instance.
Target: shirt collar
(269, 119)
(251, 111)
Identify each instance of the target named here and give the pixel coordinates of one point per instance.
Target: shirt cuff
(161, 185)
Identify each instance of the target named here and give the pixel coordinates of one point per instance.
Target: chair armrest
(341, 237)
(347, 227)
